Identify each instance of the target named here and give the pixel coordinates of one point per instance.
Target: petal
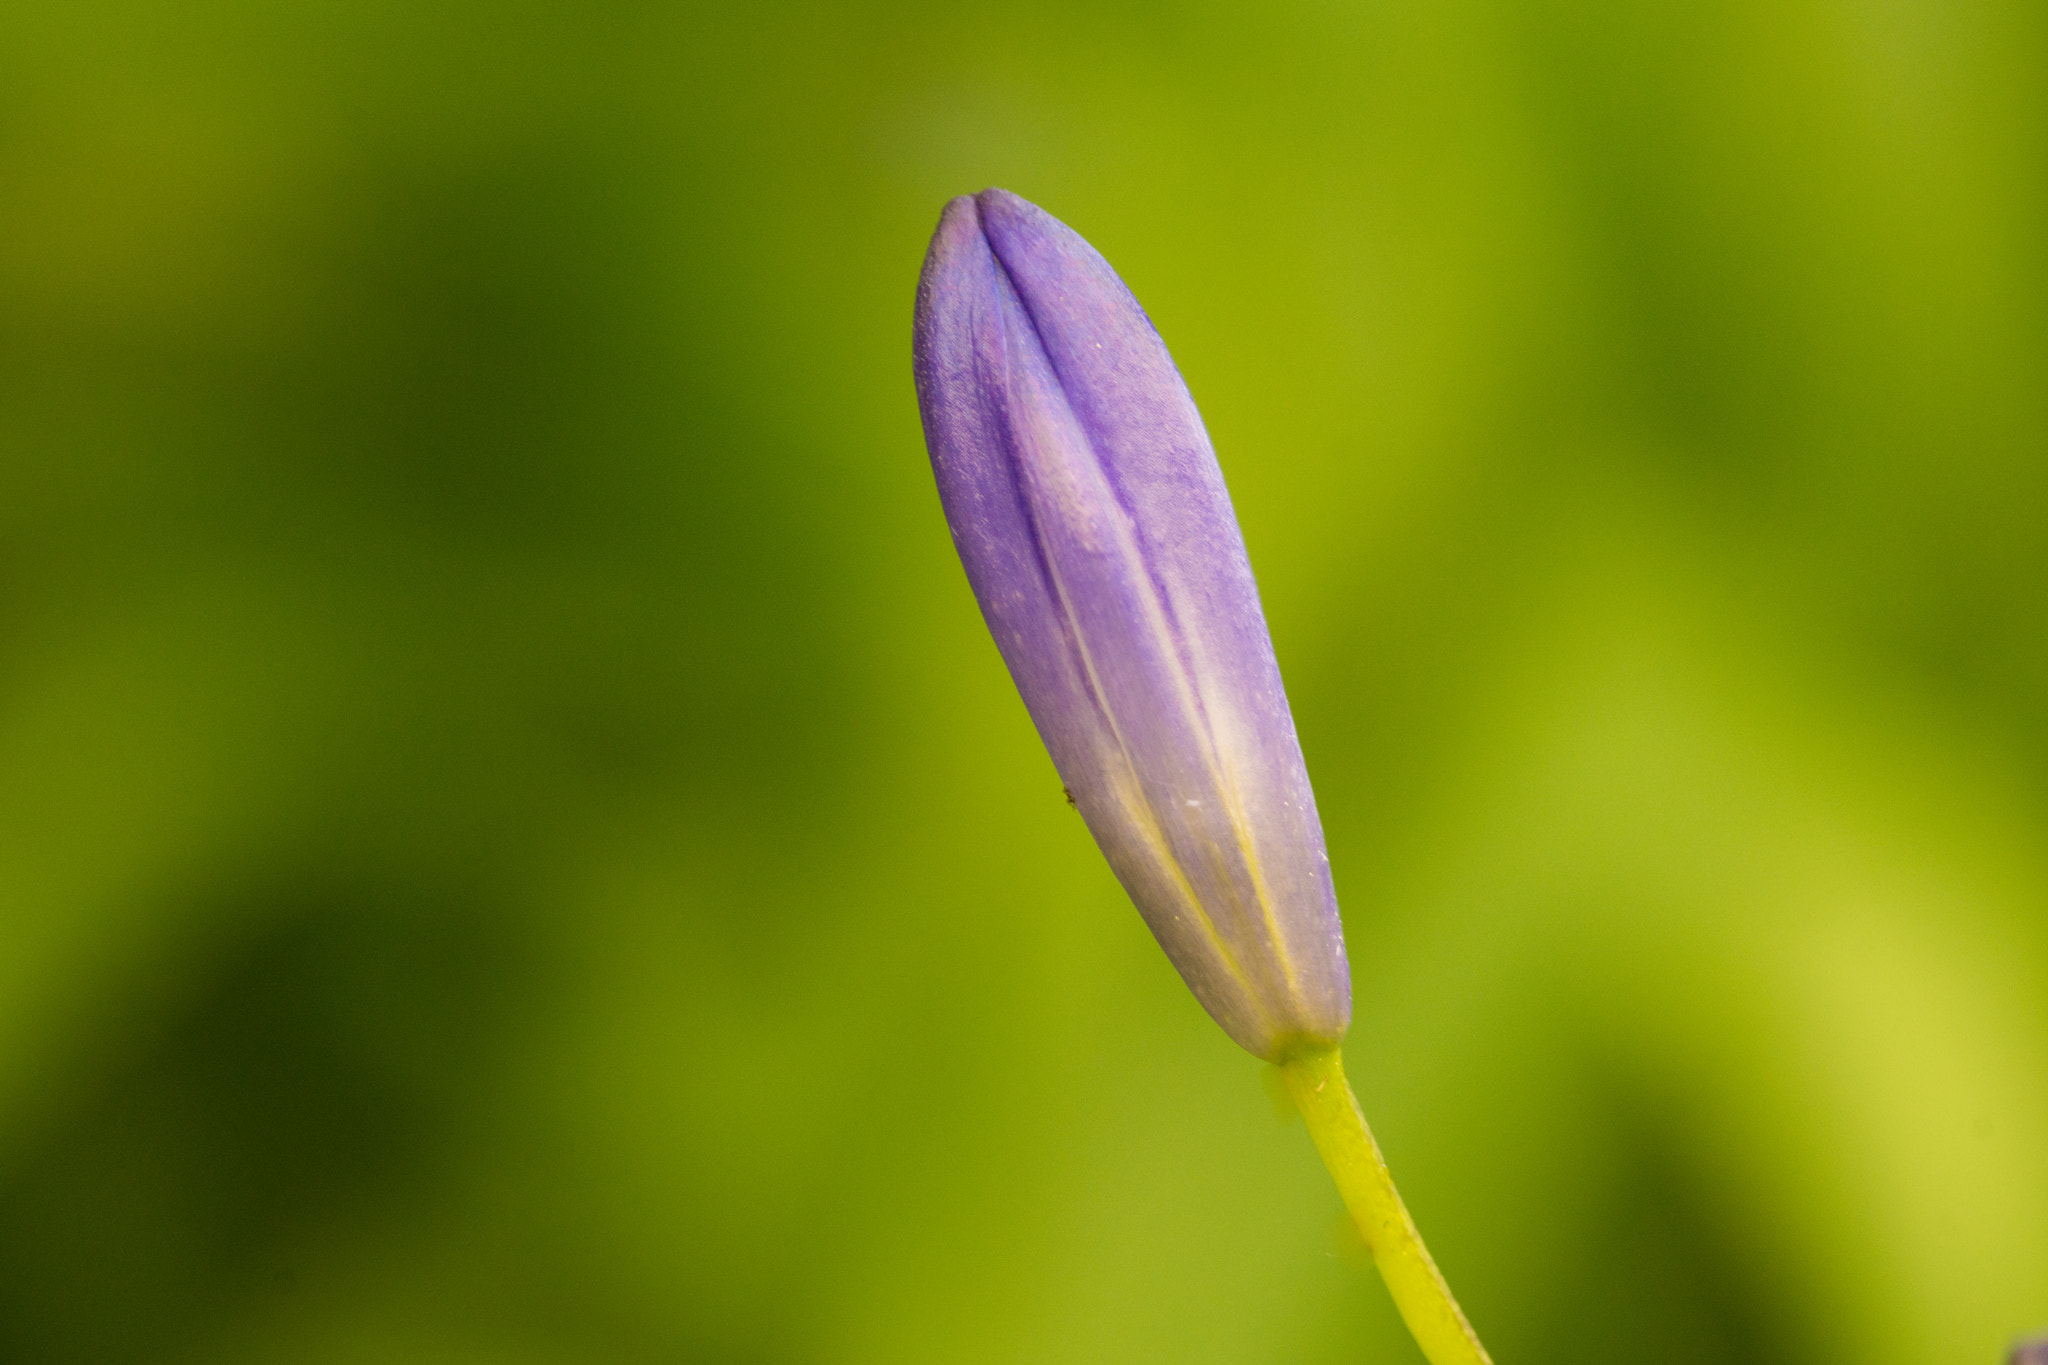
(1094, 525)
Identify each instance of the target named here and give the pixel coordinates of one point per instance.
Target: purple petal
(1091, 516)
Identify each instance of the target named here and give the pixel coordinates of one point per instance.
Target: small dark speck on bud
(1068, 792)
(2033, 1351)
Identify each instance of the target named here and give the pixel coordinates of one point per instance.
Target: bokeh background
(515, 846)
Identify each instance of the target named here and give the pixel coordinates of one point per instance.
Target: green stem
(1338, 1126)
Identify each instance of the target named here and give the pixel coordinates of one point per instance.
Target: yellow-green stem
(1338, 1126)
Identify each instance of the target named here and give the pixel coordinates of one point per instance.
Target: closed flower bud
(1090, 513)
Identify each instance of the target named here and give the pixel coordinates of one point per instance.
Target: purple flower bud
(2033, 1352)
(1092, 519)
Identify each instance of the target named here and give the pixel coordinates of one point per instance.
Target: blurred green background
(515, 845)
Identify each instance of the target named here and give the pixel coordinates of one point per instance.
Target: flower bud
(1090, 513)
